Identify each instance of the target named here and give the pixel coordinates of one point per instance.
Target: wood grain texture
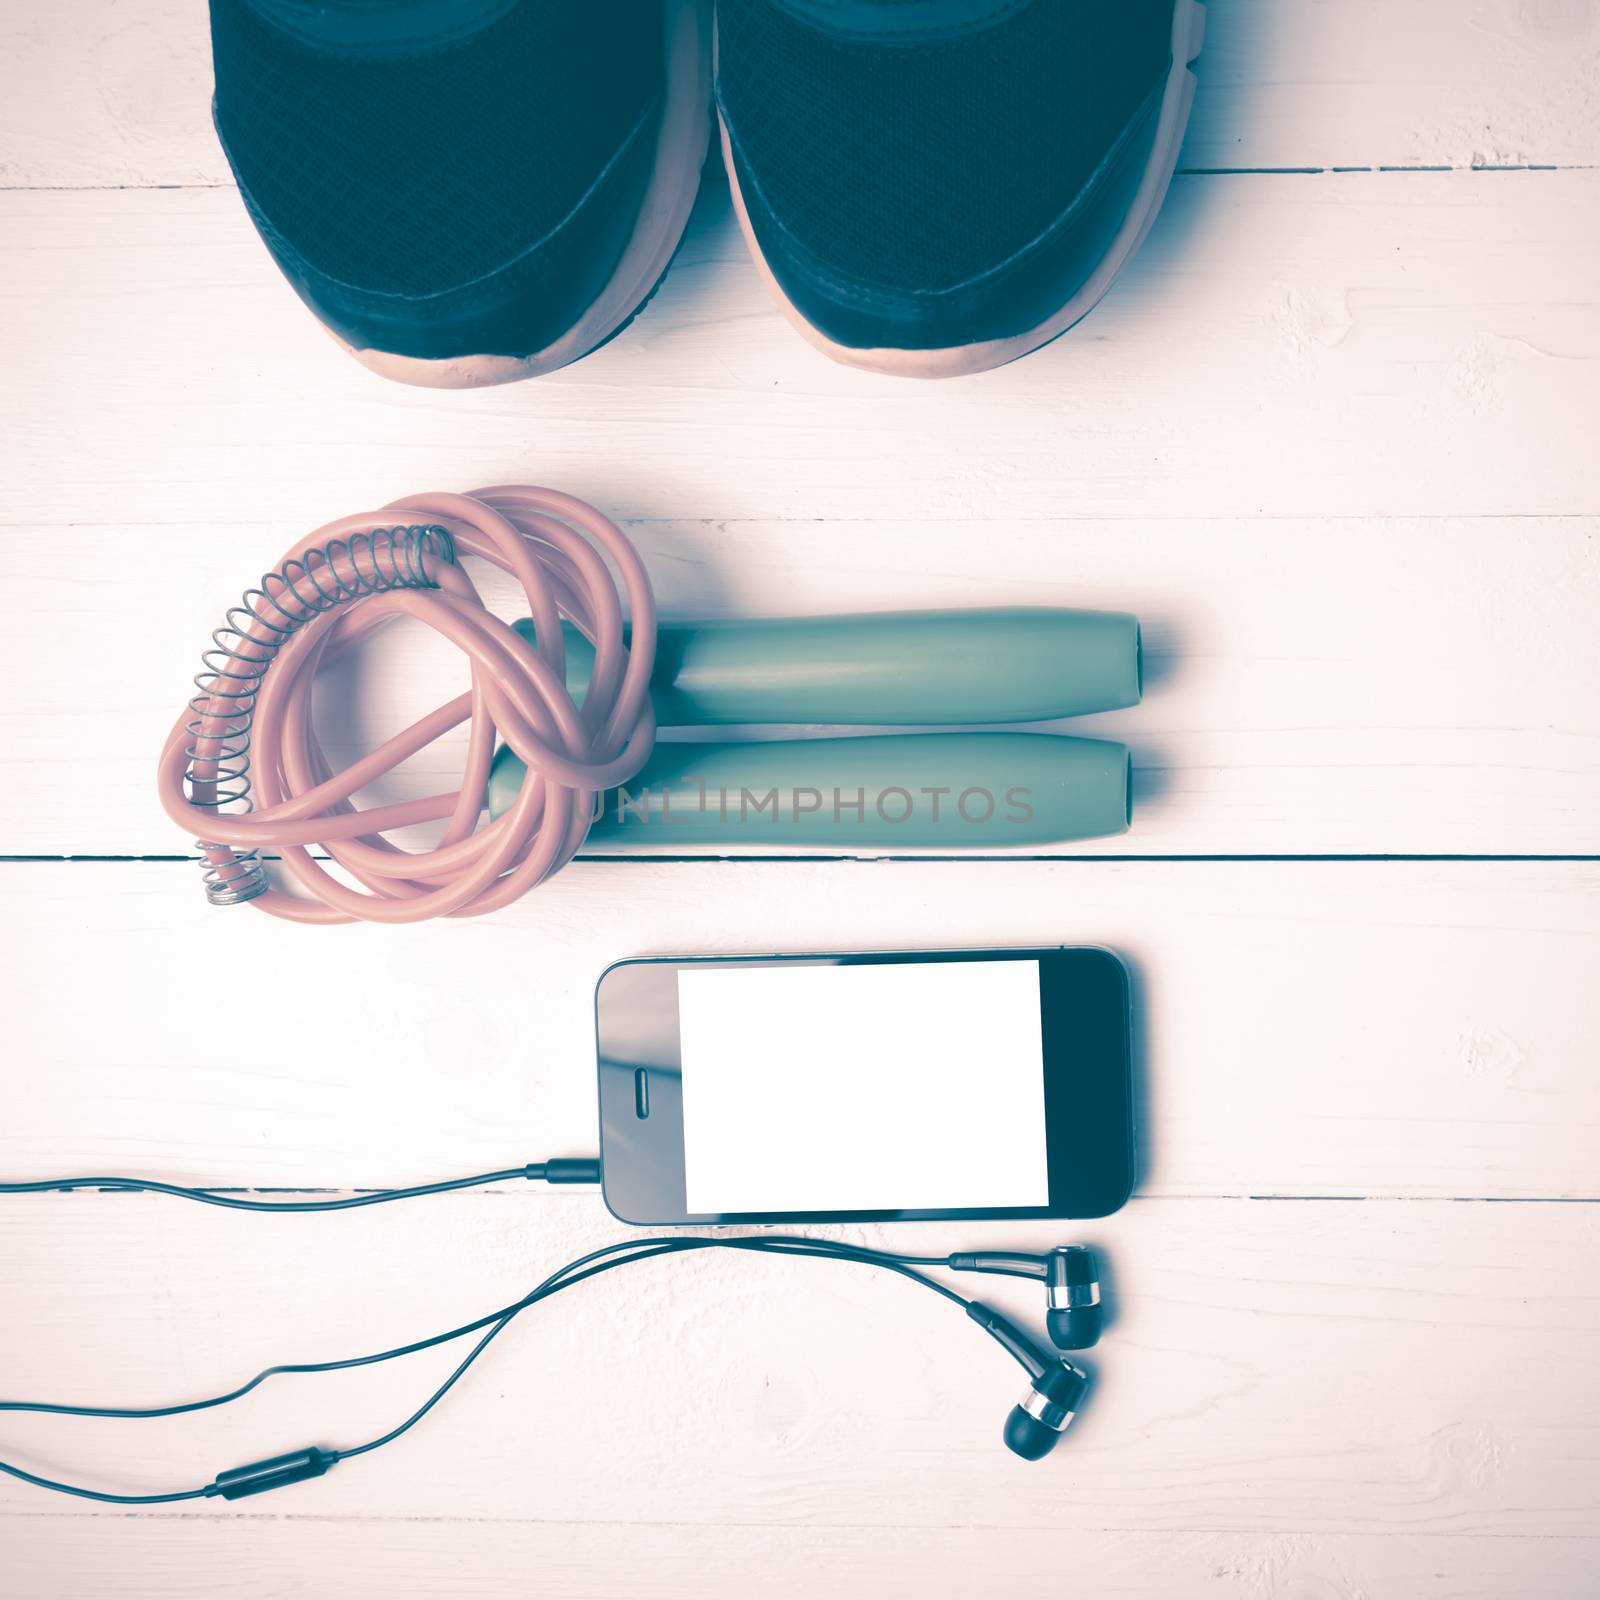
(1296, 1367)
(1351, 346)
(1306, 1028)
(1332, 437)
(201, 1559)
(1283, 83)
(1367, 687)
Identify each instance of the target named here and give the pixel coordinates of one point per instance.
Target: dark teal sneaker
(934, 187)
(466, 191)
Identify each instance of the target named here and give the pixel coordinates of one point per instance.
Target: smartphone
(864, 1088)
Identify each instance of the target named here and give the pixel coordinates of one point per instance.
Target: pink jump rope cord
(248, 734)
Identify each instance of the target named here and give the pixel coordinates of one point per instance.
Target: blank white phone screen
(903, 1086)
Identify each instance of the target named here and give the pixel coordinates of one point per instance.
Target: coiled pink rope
(547, 541)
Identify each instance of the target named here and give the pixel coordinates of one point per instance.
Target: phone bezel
(1085, 1020)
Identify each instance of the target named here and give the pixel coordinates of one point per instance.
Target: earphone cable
(584, 1170)
(567, 1277)
(572, 1273)
(596, 1262)
(101, 1495)
(299, 1368)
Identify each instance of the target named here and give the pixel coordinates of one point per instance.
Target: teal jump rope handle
(895, 669)
(958, 791)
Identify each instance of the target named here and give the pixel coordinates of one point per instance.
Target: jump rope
(244, 766)
(244, 762)
(572, 696)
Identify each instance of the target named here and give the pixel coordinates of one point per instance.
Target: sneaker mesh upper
(416, 175)
(918, 166)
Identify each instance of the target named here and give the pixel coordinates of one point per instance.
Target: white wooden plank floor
(1334, 437)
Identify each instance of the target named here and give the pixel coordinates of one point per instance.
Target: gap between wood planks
(701, 858)
(520, 1193)
(1178, 172)
(1206, 1530)
(1045, 519)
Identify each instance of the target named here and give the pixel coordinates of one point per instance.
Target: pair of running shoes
(471, 192)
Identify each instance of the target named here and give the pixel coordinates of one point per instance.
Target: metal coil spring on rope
(243, 767)
(246, 645)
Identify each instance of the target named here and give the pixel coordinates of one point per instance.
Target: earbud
(1039, 1419)
(1070, 1278)
(1073, 1317)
